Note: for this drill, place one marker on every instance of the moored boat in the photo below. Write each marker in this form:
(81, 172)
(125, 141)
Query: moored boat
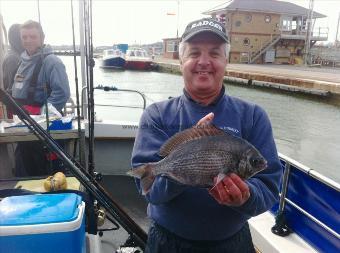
(138, 59)
(113, 58)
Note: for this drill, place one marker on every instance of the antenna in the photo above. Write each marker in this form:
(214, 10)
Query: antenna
(309, 32)
(337, 41)
(177, 18)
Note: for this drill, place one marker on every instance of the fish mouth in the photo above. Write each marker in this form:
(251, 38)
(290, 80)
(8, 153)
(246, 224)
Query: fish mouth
(263, 165)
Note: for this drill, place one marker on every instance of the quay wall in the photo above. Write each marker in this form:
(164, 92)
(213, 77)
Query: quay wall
(323, 89)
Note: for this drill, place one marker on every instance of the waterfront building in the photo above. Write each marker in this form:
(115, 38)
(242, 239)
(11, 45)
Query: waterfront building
(170, 48)
(267, 31)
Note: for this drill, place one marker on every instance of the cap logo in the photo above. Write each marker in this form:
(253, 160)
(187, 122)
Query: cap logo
(206, 23)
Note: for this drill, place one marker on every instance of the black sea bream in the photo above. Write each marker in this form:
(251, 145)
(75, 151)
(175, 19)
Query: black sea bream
(196, 155)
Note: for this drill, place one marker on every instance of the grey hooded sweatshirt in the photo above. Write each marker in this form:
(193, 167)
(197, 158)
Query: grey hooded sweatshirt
(52, 74)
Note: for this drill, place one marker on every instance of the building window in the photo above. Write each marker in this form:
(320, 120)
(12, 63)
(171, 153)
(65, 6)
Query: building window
(248, 18)
(246, 42)
(172, 46)
(286, 23)
(238, 23)
(267, 18)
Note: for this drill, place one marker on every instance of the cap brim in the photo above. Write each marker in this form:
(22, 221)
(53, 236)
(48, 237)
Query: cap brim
(188, 37)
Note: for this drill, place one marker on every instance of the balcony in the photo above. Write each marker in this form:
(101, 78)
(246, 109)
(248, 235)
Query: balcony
(299, 33)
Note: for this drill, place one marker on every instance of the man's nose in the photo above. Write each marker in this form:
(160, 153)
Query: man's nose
(204, 59)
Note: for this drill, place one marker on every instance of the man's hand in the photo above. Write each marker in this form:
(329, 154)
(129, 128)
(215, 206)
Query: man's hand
(230, 191)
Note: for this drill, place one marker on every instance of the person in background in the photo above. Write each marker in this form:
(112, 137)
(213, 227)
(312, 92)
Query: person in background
(191, 219)
(41, 78)
(12, 57)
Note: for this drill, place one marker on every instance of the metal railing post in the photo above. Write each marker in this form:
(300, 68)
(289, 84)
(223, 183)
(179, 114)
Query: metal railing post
(284, 188)
(280, 228)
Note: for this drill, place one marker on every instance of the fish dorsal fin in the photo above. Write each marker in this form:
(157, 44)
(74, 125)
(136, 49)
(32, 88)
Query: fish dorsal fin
(187, 135)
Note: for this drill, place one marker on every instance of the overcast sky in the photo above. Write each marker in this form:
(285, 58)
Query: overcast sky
(118, 21)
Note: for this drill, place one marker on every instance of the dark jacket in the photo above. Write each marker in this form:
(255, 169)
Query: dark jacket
(12, 57)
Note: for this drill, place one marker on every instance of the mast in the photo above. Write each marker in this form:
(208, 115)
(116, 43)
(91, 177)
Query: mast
(337, 41)
(82, 59)
(309, 33)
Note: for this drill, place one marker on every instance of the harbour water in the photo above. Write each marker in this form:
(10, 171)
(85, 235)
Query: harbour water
(306, 130)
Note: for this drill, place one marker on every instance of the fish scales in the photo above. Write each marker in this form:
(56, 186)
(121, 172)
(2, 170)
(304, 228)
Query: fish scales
(199, 161)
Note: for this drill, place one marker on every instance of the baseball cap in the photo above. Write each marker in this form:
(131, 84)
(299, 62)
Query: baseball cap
(205, 25)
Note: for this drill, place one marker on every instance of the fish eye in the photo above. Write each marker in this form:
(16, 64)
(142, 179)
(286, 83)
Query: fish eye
(255, 161)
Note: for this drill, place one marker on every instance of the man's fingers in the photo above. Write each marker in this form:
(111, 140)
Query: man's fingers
(232, 190)
(239, 182)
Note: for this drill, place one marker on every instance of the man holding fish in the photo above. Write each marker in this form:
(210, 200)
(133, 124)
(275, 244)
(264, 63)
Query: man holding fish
(205, 161)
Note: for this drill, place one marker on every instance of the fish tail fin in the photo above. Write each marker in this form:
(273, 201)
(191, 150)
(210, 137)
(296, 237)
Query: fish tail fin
(145, 174)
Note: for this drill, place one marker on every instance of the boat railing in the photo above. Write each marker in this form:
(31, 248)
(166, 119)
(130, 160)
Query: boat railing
(112, 88)
(311, 172)
(308, 205)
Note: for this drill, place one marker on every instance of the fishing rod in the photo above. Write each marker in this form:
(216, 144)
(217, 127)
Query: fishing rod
(76, 83)
(87, 10)
(137, 235)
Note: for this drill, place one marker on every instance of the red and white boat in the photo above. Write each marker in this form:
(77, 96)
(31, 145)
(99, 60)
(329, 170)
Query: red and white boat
(137, 59)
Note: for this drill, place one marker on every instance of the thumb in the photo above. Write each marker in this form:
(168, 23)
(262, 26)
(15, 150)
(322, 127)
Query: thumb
(206, 120)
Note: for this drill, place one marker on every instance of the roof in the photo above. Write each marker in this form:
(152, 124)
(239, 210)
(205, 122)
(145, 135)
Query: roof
(264, 6)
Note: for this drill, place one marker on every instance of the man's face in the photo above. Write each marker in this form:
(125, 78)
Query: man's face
(31, 40)
(203, 65)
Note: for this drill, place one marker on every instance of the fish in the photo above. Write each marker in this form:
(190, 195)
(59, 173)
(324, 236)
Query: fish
(197, 155)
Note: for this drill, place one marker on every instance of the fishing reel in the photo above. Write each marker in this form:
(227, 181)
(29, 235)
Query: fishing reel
(129, 247)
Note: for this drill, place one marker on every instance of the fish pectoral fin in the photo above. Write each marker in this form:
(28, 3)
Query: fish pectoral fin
(219, 178)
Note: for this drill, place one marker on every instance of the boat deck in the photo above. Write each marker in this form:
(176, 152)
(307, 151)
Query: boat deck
(123, 191)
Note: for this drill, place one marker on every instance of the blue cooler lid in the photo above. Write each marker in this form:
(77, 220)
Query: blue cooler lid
(39, 209)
